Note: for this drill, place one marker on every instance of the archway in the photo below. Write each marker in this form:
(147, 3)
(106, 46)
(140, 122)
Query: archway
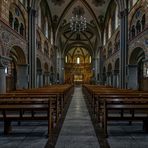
(16, 72)
(78, 66)
(135, 69)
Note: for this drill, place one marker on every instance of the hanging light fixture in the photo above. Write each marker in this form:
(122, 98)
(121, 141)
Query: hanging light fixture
(78, 21)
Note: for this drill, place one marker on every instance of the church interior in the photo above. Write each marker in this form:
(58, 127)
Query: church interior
(73, 73)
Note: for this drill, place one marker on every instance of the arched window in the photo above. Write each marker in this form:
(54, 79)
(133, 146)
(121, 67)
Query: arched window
(143, 21)
(39, 16)
(116, 17)
(10, 19)
(90, 59)
(22, 29)
(137, 23)
(66, 59)
(138, 26)
(104, 41)
(109, 28)
(46, 28)
(16, 24)
(16, 19)
(78, 60)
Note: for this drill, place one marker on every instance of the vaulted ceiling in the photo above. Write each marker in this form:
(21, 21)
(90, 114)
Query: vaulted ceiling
(93, 10)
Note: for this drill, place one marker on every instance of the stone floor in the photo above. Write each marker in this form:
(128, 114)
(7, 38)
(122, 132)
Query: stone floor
(77, 131)
(27, 135)
(123, 135)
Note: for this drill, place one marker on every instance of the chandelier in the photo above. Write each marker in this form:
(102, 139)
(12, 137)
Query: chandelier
(78, 23)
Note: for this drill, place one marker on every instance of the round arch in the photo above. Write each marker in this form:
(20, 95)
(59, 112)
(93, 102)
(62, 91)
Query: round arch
(136, 56)
(136, 69)
(16, 77)
(18, 54)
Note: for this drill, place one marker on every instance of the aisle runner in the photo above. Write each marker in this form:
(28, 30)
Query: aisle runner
(77, 130)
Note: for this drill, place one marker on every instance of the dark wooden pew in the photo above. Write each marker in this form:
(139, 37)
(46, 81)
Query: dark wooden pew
(118, 101)
(128, 104)
(58, 95)
(11, 109)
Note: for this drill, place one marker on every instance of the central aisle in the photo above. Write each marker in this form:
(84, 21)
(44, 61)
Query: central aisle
(77, 130)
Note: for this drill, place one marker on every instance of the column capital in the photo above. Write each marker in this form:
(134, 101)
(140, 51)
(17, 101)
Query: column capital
(4, 61)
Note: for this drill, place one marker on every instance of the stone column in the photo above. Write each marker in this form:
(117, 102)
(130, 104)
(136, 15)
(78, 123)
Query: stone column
(116, 78)
(61, 74)
(93, 71)
(39, 78)
(22, 76)
(3, 64)
(46, 78)
(123, 48)
(2, 80)
(133, 77)
(109, 78)
(97, 67)
(32, 47)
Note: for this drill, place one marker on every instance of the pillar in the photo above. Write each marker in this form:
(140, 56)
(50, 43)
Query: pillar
(39, 78)
(2, 80)
(133, 77)
(22, 76)
(116, 78)
(46, 78)
(97, 67)
(32, 47)
(123, 47)
(61, 72)
(3, 64)
(109, 78)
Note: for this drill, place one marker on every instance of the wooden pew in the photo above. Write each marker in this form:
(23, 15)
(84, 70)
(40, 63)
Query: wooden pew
(97, 96)
(59, 94)
(9, 106)
(131, 104)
